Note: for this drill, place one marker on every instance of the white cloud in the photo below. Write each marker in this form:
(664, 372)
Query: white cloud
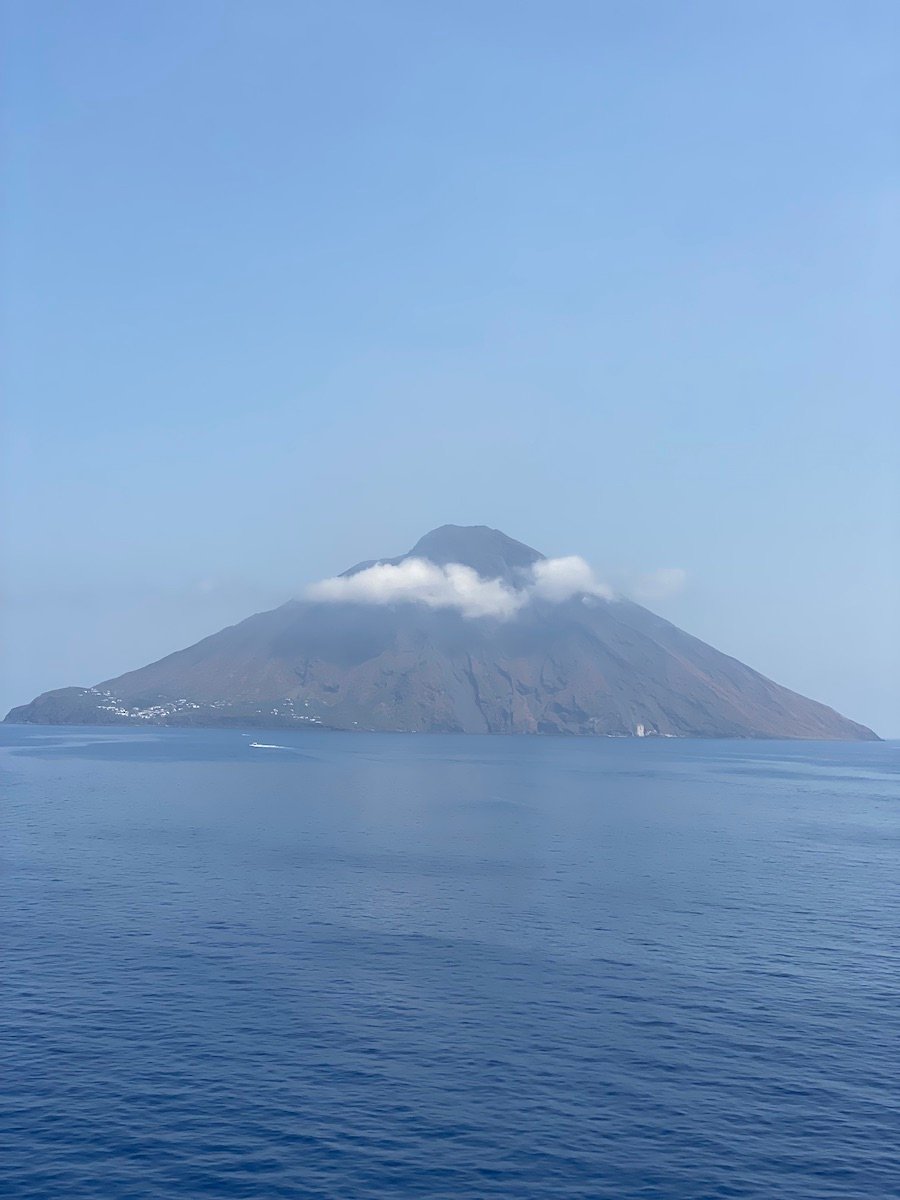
(664, 581)
(456, 586)
(423, 582)
(559, 579)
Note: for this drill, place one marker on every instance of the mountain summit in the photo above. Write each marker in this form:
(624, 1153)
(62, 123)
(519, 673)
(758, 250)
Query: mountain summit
(487, 551)
(469, 632)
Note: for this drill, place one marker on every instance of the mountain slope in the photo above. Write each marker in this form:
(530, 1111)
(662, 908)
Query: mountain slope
(579, 666)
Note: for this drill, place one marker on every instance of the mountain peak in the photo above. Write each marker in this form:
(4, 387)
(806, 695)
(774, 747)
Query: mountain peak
(488, 551)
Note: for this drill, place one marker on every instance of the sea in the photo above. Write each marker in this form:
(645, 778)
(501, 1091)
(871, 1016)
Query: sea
(240, 963)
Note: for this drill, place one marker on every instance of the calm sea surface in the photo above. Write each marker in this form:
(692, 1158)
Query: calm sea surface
(361, 966)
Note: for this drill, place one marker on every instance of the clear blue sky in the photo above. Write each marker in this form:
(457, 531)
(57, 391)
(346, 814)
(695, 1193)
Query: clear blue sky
(288, 284)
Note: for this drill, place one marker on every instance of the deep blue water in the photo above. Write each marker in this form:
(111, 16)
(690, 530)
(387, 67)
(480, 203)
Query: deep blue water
(395, 966)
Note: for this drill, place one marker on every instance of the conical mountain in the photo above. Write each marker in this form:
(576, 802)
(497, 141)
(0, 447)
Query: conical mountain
(576, 664)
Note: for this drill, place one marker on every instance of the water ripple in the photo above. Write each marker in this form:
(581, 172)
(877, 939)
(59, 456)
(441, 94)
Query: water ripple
(459, 968)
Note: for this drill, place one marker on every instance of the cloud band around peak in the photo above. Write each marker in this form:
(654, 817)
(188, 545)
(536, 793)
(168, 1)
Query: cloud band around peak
(456, 586)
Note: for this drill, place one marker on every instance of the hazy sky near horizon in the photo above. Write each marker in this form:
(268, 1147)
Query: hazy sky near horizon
(286, 285)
